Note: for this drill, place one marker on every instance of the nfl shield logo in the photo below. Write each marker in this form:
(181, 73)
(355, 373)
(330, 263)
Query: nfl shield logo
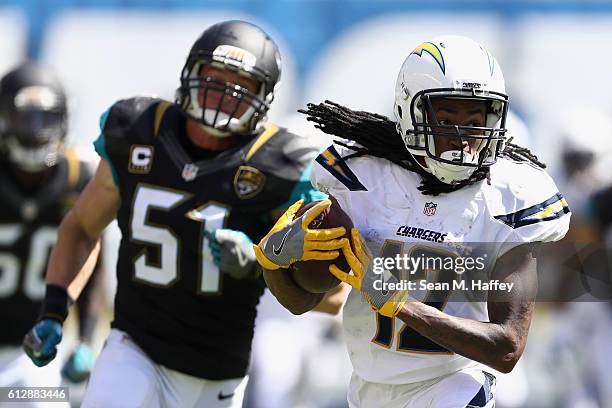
(430, 208)
(190, 171)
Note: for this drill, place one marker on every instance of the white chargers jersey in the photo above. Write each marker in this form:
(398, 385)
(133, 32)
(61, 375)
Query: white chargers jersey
(522, 204)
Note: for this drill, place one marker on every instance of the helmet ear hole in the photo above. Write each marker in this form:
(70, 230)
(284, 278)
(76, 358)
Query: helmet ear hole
(399, 112)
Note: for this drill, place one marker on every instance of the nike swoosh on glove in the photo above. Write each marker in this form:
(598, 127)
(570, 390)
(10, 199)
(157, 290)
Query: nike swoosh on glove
(291, 239)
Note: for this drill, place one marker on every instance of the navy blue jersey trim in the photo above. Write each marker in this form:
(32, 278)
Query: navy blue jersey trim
(550, 209)
(331, 161)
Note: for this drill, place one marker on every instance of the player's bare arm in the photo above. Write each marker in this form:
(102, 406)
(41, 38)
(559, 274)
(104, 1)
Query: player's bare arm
(500, 342)
(72, 262)
(333, 300)
(74, 256)
(298, 301)
(289, 294)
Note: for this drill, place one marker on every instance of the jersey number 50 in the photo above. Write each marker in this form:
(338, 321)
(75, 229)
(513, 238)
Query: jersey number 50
(41, 242)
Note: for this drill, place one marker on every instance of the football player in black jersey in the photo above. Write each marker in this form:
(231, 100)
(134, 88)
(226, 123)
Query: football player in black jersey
(192, 184)
(39, 182)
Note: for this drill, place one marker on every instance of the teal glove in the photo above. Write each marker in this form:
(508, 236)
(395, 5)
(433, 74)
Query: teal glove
(233, 253)
(79, 365)
(40, 344)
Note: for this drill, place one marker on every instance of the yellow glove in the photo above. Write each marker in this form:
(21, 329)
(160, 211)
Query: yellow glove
(291, 240)
(359, 258)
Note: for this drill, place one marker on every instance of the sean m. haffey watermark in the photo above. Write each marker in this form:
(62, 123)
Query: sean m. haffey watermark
(448, 264)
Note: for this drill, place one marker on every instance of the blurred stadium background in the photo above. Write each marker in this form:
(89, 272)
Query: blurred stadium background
(556, 59)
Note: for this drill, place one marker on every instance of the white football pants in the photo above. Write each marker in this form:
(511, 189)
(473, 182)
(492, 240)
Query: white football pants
(125, 377)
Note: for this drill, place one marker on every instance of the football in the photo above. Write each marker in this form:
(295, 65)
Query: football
(314, 276)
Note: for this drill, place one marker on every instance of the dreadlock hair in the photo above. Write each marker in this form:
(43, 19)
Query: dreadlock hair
(377, 136)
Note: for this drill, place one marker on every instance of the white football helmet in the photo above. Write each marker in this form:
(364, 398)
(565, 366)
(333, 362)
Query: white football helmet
(457, 68)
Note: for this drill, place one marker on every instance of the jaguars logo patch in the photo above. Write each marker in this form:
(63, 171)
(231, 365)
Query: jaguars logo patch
(248, 182)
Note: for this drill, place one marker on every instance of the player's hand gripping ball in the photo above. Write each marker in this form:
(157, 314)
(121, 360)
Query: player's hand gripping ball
(292, 240)
(314, 276)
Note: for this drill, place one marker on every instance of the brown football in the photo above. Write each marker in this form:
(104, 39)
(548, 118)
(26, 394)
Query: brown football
(314, 276)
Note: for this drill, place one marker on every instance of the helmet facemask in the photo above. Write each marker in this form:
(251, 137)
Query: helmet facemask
(220, 103)
(448, 159)
(33, 129)
(224, 108)
(33, 159)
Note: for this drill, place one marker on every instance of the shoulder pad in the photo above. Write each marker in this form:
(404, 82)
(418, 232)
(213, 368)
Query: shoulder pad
(135, 118)
(527, 199)
(331, 172)
(298, 149)
(132, 121)
(129, 122)
(278, 151)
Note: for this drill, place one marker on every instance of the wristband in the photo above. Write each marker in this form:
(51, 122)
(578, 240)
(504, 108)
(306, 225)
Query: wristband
(56, 303)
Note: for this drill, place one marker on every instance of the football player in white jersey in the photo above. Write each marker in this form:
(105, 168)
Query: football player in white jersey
(458, 183)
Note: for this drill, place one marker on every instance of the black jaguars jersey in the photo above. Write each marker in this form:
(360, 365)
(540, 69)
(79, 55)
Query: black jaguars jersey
(28, 231)
(171, 298)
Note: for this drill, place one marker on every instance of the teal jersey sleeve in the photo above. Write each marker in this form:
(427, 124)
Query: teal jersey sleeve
(304, 190)
(100, 146)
